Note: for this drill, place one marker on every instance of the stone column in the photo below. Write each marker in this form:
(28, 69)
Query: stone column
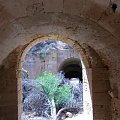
(10, 88)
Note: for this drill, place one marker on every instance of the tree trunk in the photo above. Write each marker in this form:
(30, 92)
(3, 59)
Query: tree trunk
(53, 109)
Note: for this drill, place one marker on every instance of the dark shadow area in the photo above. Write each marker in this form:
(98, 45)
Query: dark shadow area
(73, 71)
(72, 68)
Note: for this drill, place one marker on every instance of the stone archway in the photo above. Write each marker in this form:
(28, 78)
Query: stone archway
(69, 41)
(72, 68)
(99, 81)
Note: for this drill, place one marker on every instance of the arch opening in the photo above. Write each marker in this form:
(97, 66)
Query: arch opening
(72, 68)
(68, 69)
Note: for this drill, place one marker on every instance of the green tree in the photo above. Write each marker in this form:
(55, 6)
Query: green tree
(56, 94)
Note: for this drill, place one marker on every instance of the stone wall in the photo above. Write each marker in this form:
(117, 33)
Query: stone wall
(50, 63)
(92, 22)
(10, 88)
(100, 88)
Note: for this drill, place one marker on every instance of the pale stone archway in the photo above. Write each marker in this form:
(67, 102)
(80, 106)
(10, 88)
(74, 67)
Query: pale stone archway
(69, 41)
(72, 68)
(88, 66)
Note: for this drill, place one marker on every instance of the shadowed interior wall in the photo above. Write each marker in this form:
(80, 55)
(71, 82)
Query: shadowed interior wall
(10, 87)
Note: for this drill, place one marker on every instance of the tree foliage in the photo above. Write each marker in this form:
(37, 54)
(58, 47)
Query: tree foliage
(53, 89)
(63, 94)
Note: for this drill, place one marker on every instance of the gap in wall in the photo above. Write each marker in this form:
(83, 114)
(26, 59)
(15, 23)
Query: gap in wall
(53, 59)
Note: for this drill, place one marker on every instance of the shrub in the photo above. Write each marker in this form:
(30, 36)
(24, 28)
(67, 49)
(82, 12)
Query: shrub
(37, 103)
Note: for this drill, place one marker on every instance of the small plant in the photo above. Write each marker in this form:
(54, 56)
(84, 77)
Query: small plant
(57, 94)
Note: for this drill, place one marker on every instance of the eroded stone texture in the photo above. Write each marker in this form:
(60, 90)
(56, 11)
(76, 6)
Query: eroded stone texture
(100, 87)
(99, 11)
(9, 87)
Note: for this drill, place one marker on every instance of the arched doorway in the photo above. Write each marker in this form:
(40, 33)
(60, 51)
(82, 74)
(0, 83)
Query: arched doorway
(72, 68)
(68, 69)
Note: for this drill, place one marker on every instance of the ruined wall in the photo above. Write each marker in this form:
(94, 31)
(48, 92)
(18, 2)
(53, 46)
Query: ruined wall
(51, 62)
